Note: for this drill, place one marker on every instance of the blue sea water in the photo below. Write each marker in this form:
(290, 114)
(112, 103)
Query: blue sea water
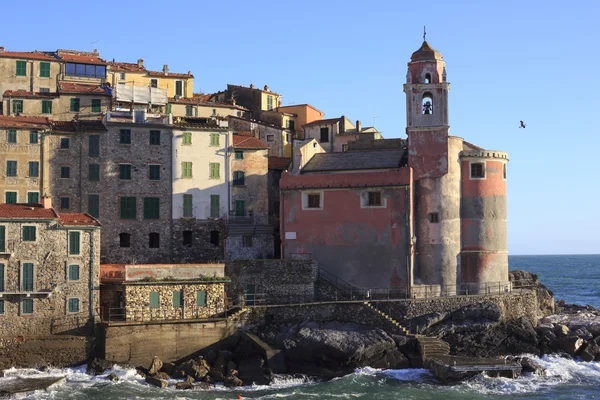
(575, 278)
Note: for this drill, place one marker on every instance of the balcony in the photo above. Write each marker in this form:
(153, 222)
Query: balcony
(41, 293)
(141, 94)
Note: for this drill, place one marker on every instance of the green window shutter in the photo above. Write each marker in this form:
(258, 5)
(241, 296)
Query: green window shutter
(27, 277)
(74, 105)
(2, 239)
(215, 207)
(94, 146)
(94, 172)
(17, 106)
(177, 298)
(12, 136)
(2, 276)
(189, 111)
(73, 305)
(46, 106)
(27, 306)
(74, 243)
(154, 300)
(125, 136)
(155, 138)
(96, 105)
(201, 298)
(74, 272)
(128, 208)
(1, 306)
(215, 170)
(29, 233)
(11, 197)
(151, 208)
(188, 206)
(169, 108)
(125, 171)
(214, 139)
(11, 168)
(186, 168)
(33, 197)
(187, 138)
(34, 169)
(44, 70)
(94, 205)
(21, 68)
(154, 172)
(33, 137)
(239, 155)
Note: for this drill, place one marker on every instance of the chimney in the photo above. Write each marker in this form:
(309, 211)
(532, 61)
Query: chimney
(266, 88)
(358, 126)
(251, 86)
(46, 202)
(1, 49)
(342, 124)
(166, 69)
(141, 62)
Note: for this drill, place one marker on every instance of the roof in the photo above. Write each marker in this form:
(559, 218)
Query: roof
(126, 67)
(279, 163)
(77, 219)
(253, 88)
(471, 146)
(248, 142)
(26, 211)
(77, 88)
(24, 94)
(81, 57)
(8, 121)
(426, 53)
(302, 105)
(244, 133)
(192, 122)
(346, 161)
(200, 101)
(170, 74)
(78, 126)
(32, 55)
(324, 121)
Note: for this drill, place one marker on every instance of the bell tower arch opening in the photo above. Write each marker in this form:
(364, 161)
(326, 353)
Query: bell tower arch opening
(427, 103)
(428, 78)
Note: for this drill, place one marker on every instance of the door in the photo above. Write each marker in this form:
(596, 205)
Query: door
(240, 208)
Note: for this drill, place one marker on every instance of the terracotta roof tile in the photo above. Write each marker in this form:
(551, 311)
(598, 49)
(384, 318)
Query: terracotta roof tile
(191, 122)
(173, 74)
(244, 133)
(248, 142)
(31, 55)
(24, 94)
(279, 163)
(68, 87)
(80, 57)
(26, 211)
(77, 219)
(7, 121)
(126, 67)
(324, 121)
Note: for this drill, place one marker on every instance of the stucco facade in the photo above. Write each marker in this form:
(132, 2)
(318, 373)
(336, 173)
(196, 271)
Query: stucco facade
(304, 114)
(277, 138)
(30, 78)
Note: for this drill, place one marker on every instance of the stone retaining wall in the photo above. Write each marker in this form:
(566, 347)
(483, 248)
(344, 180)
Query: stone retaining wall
(38, 351)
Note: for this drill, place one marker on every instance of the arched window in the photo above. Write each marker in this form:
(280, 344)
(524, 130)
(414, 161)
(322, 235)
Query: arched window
(154, 240)
(428, 78)
(125, 239)
(427, 103)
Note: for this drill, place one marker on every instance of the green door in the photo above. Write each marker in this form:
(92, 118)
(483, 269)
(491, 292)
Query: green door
(240, 208)
(249, 295)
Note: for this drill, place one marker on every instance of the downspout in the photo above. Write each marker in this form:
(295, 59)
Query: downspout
(172, 223)
(30, 79)
(281, 221)
(92, 305)
(227, 169)
(78, 133)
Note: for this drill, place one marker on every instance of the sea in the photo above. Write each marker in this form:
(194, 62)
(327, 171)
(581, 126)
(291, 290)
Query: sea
(574, 278)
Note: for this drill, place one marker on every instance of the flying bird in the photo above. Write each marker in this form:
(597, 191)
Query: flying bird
(522, 125)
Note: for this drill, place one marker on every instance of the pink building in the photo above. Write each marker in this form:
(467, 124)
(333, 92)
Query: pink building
(426, 214)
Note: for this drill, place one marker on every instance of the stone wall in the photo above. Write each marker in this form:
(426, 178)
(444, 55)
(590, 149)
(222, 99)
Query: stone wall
(137, 300)
(39, 351)
(275, 281)
(201, 249)
(254, 190)
(262, 247)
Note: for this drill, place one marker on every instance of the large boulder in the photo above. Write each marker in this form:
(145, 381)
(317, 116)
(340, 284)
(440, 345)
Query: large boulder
(197, 370)
(156, 382)
(97, 366)
(545, 297)
(571, 344)
(155, 366)
(254, 371)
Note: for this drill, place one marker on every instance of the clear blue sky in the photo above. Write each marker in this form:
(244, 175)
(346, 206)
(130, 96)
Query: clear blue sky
(506, 60)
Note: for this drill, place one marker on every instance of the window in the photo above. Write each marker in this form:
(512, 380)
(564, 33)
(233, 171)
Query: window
(201, 298)
(214, 139)
(187, 206)
(240, 208)
(151, 208)
(94, 172)
(324, 135)
(17, 106)
(125, 136)
(21, 68)
(92, 71)
(177, 298)
(64, 143)
(270, 138)
(189, 111)
(215, 207)
(122, 76)
(187, 238)
(2, 276)
(214, 238)
(345, 147)
(94, 205)
(33, 137)
(290, 124)
(27, 277)
(427, 103)
(1, 306)
(2, 250)
(12, 136)
(238, 178)
(247, 240)
(154, 240)
(27, 306)
(477, 170)
(374, 199)
(433, 217)
(33, 197)
(34, 169)
(94, 146)
(73, 305)
(154, 300)
(64, 203)
(154, 172)
(74, 105)
(125, 171)
(29, 234)
(44, 90)
(154, 83)
(169, 108)
(239, 155)
(11, 197)
(96, 105)
(239, 113)
(214, 170)
(124, 239)
(314, 201)
(74, 243)
(269, 103)
(73, 272)
(428, 78)
(11, 168)
(186, 169)
(65, 172)
(155, 138)
(46, 106)
(128, 208)
(214, 112)
(187, 138)
(178, 88)
(504, 171)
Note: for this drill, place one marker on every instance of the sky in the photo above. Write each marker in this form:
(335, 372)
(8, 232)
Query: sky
(507, 61)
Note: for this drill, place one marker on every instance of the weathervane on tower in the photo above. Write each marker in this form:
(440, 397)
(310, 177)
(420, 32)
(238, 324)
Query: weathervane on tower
(424, 32)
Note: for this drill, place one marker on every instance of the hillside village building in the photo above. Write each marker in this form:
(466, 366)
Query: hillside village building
(428, 216)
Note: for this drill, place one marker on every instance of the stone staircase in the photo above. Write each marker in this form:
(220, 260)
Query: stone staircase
(431, 347)
(391, 320)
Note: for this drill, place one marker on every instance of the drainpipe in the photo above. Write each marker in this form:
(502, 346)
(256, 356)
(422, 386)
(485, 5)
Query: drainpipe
(281, 222)
(227, 168)
(92, 305)
(30, 78)
(80, 165)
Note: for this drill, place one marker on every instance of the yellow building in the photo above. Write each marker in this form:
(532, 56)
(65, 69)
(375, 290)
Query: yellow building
(31, 71)
(199, 107)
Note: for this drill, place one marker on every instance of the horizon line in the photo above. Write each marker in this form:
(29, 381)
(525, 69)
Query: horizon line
(557, 254)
